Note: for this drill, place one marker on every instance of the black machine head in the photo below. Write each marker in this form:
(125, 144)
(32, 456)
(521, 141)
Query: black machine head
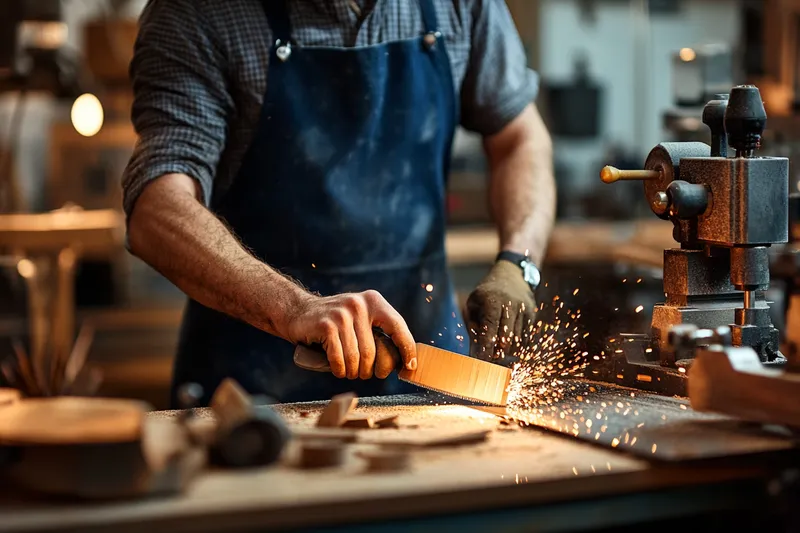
(714, 118)
(745, 119)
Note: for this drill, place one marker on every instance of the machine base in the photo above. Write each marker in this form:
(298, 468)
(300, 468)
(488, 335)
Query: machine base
(631, 361)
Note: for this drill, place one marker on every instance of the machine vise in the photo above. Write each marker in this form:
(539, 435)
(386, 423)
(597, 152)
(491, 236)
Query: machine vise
(727, 209)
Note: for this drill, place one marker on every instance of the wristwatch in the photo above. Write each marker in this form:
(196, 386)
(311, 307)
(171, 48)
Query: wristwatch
(530, 273)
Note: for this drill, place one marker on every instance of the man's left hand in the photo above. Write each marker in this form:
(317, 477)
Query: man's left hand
(500, 312)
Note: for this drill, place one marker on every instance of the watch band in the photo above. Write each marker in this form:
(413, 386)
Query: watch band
(514, 257)
(530, 272)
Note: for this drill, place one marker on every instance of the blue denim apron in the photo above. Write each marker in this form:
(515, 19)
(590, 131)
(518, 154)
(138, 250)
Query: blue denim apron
(343, 188)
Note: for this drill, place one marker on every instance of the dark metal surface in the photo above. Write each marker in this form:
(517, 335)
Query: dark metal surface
(750, 198)
(653, 426)
(726, 212)
(666, 158)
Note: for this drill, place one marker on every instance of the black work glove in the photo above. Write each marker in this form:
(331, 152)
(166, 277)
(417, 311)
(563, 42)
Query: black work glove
(500, 313)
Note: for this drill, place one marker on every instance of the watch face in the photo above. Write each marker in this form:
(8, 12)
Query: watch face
(531, 274)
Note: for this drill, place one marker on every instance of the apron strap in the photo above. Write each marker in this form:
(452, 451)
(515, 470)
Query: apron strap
(278, 18)
(428, 16)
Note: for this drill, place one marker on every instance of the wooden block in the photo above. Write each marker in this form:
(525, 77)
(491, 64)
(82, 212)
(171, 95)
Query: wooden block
(68, 420)
(737, 384)
(459, 375)
(231, 405)
(337, 410)
(337, 434)
(321, 454)
(359, 422)
(388, 422)
(386, 460)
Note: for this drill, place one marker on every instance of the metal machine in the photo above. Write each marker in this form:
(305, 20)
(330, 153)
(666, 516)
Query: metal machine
(727, 210)
(731, 380)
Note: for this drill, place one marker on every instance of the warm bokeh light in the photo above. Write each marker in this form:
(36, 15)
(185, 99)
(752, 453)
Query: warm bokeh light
(87, 115)
(26, 268)
(687, 54)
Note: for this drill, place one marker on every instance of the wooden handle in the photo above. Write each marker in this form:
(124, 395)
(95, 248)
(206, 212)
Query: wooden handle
(611, 174)
(315, 359)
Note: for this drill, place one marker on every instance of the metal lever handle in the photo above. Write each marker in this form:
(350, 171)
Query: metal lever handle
(612, 174)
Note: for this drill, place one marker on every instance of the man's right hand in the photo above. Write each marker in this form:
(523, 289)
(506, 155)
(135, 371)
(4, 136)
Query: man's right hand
(343, 325)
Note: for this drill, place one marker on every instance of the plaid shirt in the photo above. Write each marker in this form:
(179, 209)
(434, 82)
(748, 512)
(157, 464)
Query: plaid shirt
(200, 74)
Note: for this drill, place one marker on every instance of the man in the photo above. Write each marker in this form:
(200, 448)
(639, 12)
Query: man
(290, 178)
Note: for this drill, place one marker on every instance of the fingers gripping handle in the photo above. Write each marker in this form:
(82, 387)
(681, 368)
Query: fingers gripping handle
(314, 358)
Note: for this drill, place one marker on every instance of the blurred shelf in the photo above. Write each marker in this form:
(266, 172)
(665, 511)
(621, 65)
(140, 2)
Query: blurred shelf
(636, 242)
(54, 230)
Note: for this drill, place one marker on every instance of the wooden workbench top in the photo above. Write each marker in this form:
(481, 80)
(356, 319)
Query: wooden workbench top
(515, 466)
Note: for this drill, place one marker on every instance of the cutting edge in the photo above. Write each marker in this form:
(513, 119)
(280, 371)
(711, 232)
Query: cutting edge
(453, 395)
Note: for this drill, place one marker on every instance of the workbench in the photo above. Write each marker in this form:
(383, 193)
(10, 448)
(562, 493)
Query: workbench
(519, 479)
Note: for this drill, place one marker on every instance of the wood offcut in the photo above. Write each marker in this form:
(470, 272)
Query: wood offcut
(96, 448)
(735, 382)
(335, 413)
(386, 460)
(321, 454)
(359, 422)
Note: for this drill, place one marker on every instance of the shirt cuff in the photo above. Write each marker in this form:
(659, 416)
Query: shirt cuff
(493, 121)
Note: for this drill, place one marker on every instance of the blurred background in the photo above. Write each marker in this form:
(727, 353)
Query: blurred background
(617, 78)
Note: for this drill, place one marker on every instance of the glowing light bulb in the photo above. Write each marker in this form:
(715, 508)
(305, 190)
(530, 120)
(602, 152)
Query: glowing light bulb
(687, 54)
(87, 115)
(26, 268)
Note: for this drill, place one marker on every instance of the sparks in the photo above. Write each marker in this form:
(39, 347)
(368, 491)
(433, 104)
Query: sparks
(429, 287)
(640, 309)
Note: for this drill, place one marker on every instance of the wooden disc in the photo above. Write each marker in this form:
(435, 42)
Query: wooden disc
(386, 460)
(70, 420)
(321, 454)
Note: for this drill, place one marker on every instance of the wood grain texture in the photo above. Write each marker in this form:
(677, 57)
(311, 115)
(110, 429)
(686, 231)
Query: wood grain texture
(509, 469)
(459, 375)
(161, 463)
(69, 420)
(737, 384)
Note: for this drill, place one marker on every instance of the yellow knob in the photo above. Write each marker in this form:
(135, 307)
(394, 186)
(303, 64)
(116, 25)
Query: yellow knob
(612, 174)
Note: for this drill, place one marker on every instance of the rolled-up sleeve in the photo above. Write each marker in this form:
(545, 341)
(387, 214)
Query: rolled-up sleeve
(498, 84)
(181, 102)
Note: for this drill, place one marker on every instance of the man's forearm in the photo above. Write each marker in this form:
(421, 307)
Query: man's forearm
(522, 188)
(171, 231)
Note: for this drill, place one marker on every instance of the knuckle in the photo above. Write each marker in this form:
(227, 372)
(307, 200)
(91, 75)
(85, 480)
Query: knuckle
(356, 304)
(372, 297)
(339, 317)
(328, 328)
